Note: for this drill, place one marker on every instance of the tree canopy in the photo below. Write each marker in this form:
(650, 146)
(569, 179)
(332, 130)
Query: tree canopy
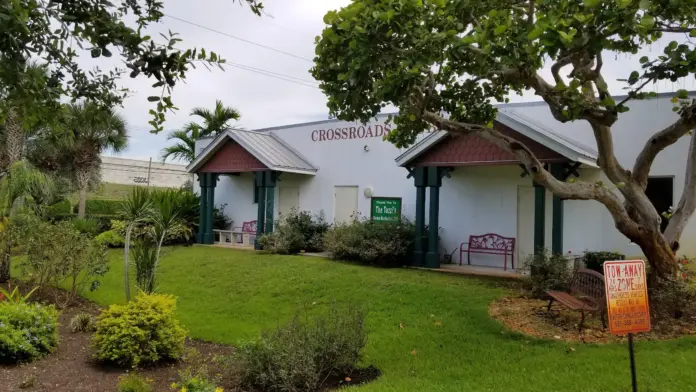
(54, 31)
(445, 64)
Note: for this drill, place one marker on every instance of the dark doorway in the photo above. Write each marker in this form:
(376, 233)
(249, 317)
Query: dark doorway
(660, 191)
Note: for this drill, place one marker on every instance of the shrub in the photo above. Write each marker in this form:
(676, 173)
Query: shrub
(102, 207)
(132, 382)
(145, 258)
(110, 239)
(547, 272)
(142, 331)
(595, 260)
(284, 240)
(27, 331)
(63, 207)
(299, 356)
(674, 298)
(220, 220)
(86, 226)
(74, 260)
(381, 243)
(295, 232)
(82, 322)
(190, 381)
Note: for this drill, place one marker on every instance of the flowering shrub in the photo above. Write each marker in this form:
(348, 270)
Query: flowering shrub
(132, 382)
(27, 331)
(144, 330)
(674, 298)
(195, 382)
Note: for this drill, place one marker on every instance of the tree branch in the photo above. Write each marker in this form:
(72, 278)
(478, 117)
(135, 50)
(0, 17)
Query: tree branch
(530, 13)
(632, 93)
(573, 191)
(687, 203)
(661, 140)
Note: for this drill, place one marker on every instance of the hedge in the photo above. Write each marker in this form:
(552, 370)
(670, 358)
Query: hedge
(101, 207)
(62, 207)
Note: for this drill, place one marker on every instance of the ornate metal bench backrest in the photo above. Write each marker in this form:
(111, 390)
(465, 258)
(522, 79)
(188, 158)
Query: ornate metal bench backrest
(249, 227)
(588, 283)
(493, 242)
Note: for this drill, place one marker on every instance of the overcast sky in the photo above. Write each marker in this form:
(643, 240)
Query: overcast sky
(263, 101)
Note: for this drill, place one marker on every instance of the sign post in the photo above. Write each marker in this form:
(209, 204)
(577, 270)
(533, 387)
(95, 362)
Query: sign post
(386, 209)
(627, 303)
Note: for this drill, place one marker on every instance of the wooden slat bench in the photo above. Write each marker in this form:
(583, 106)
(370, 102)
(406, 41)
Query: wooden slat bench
(245, 235)
(586, 295)
(489, 244)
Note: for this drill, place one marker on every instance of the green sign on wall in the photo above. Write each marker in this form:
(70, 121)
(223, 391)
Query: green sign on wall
(386, 209)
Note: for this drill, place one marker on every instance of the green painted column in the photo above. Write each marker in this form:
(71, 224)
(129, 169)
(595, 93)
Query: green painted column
(557, 213)
(419, 247)
(539, 217)
(434, 181)
(270, 183)
(261, 206)
(202, 180)
(209, 237)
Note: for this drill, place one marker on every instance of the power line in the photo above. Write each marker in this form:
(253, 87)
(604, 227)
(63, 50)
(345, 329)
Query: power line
(238, 38)
(271, 72)
(270, 75)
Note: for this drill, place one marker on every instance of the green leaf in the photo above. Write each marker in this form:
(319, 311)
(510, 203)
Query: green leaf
(153, 98)
(647, 21)
(500, 30)
(95, 52)
(623, 3)
(412, 117)
(692, 33)
(106, 52)
(644, 59)
(644, 4)
(682, 94)
(536, 33)
(591, 3)
(675, 109)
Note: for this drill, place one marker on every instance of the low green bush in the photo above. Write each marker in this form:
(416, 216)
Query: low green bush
(195, 381)
(595, 260)
(143, 331)
(87, 226)
(547, 272)
(27, 331)
(63, 207)
(387, 244)
(674, 298)
(111, 239)
(101, 207)
(299, 356)
(295, 232)
(132, 382)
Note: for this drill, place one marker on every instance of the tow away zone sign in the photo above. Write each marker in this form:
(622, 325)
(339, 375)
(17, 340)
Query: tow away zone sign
(627, 296)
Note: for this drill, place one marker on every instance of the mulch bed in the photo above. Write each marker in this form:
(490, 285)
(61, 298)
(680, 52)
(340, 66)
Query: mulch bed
(529, 316)
(71, 367)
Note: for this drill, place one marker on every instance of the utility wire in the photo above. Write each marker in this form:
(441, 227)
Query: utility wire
(270, 75)
(238, 38)
(271, 72)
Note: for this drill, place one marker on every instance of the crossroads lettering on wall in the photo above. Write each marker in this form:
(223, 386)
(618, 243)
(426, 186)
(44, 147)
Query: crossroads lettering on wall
(361, 132)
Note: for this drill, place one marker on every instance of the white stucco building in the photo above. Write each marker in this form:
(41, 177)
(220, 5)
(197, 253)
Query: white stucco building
(115, 170)
(340, 168)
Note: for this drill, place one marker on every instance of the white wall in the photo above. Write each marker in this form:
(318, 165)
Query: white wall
(115, 170)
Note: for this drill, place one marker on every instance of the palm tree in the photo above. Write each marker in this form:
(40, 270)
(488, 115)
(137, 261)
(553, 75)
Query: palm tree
(92, 131)
(136, 209)
(214, 122)
(185, 148)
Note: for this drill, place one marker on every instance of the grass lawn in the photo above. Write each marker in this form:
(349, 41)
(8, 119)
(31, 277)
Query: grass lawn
(227, 296)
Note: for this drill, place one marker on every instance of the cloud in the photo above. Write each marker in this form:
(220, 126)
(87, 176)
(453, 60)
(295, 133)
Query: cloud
(265, 101)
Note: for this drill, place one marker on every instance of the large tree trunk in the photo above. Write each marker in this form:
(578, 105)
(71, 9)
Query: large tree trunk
(82, 176)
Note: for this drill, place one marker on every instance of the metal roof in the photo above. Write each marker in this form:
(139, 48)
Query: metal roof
(570, 149)
(268, 148)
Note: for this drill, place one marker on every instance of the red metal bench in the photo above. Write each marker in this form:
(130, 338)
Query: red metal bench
(489, 244)
(587, 294)
(248, 228)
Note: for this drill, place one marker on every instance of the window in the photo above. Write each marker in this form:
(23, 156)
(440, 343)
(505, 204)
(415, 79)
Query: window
(660, 191)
